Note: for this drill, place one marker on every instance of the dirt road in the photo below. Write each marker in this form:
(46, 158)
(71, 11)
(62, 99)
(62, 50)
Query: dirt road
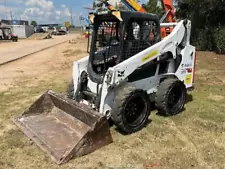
(41, 64)
(12, 51)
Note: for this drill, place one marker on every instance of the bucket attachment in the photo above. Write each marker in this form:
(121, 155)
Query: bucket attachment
(63, 128)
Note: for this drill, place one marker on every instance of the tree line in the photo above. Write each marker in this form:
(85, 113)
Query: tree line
(208, 23)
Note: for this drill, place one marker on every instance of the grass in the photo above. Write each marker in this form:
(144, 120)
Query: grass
(193, 139)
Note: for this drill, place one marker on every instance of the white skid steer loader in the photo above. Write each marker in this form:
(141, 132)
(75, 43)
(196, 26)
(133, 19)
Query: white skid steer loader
(129, 67)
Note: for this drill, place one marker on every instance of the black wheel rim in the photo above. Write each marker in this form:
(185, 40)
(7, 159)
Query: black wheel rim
(135, 111)
(175, 99)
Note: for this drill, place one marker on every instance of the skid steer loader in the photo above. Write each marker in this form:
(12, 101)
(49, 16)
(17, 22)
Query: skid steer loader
(129, 68)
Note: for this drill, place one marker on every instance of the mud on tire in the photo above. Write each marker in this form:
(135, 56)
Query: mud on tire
(131, 109)
(171, 97)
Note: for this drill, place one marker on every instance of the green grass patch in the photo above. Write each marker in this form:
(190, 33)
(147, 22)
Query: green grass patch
(193, 139)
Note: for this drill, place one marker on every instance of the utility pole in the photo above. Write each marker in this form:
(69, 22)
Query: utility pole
(20, 20)
(5, 10)
(71, 16)
(11, 15)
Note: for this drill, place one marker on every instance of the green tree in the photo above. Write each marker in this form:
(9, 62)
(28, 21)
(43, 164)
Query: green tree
(152, 7)
(99, 6)
(121, 7)
(34, 23)
(207, 22)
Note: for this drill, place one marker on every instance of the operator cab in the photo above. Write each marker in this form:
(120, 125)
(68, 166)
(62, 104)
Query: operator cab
(117, 36)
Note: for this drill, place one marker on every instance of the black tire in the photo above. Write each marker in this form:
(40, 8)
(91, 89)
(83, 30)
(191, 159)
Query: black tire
(14, 39)
(170, 97)
(129, 120)
(70, 90)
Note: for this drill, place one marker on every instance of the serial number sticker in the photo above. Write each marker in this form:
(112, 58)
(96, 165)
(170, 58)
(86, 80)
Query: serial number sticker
(150, 55)
(188, 79)
(183, 71)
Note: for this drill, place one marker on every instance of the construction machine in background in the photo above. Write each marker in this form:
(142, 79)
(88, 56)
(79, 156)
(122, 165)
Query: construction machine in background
(129, 68)
(133, 5)
(6, 34)
(169, 16)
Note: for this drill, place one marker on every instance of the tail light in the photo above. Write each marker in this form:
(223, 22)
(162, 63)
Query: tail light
(189, 70)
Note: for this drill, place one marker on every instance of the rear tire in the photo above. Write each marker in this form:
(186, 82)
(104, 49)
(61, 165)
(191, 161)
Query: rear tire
(171, 97)
(132, 109)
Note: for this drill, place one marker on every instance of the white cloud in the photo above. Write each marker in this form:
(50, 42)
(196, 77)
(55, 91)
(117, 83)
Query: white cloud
(42, 11)
(43, 4)
(58, 13)
(67, 12)
(33, 12)
(2, 9)
(14, 1)
(63, 6)
(5, 12)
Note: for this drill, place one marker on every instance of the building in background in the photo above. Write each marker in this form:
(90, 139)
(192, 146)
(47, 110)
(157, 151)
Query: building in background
(14, 22)
(19, 27)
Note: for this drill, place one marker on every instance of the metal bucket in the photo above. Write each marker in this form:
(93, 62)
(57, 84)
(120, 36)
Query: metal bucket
(63, 128)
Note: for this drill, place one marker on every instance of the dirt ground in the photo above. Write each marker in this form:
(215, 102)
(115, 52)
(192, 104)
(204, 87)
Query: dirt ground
(12, 51)
(41, 65)
(193, 139)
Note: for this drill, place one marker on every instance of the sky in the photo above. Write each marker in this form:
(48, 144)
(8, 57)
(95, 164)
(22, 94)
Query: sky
(45, 11)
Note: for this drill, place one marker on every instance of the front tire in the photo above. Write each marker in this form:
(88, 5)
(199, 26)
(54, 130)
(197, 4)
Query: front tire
(132, 109)
(171, 97)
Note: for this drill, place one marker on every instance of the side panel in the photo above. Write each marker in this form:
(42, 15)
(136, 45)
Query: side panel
(19, 30)
(185, 71)
(107, 98)
(168, 44)
(78, 67)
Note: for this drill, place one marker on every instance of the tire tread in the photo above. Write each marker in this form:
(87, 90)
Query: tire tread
(120, 101)
(161, 95)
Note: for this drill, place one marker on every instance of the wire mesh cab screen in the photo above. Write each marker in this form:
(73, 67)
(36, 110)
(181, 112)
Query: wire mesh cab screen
(106, 46)
(139, 35)
(111, 45)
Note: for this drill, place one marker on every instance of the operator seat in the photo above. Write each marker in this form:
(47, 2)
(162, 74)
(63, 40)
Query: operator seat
(128, 43)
